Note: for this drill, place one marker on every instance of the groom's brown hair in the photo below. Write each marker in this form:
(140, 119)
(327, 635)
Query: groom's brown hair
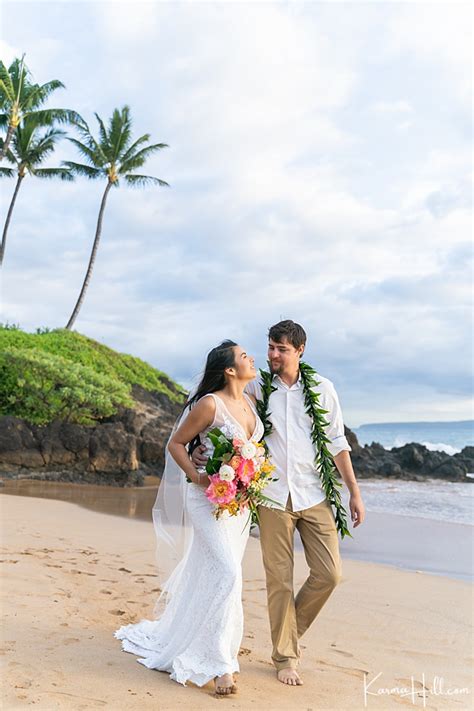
(293, 332)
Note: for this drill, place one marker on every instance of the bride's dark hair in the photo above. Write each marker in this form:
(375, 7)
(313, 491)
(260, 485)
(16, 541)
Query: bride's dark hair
(220, 358)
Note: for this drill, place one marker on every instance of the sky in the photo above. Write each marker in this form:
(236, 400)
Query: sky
(320, 169)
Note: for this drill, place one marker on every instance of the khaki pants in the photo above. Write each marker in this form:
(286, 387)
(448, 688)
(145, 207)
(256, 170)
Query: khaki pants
(291, 616)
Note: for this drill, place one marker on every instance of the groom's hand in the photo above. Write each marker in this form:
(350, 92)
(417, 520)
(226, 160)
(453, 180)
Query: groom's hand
(357, 508)
(198, 458)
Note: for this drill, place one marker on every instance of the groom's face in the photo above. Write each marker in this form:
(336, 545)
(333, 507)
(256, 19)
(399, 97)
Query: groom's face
(283, 357)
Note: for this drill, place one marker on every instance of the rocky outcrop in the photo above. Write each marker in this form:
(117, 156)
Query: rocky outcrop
(412, 461)
(119, 451)
(124, 448)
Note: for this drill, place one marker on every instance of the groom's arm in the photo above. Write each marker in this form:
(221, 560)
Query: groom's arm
(343, 463)
(340, 448)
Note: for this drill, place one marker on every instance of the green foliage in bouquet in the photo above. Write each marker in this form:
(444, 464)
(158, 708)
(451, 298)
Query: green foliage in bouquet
(223, 450)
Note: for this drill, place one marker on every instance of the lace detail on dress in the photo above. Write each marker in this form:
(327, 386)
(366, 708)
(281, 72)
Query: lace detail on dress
(198, 636)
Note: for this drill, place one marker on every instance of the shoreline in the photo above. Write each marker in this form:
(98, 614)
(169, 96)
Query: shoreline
(405, 542)
(73, 576)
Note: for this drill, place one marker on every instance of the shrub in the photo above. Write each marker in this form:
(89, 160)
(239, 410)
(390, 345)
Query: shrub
(41, 387)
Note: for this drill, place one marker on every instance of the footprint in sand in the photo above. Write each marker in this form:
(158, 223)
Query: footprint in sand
(350, 671)
(70, 640)
(106, 592)
(244, 652)
(145, 575)
(344, 654)
(119, 613)
(7, 646)
(124, 570)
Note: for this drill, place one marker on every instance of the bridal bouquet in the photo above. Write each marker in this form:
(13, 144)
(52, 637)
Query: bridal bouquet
(238, 473)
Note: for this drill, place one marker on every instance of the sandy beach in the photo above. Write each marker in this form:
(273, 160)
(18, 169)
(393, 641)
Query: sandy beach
(72, 576)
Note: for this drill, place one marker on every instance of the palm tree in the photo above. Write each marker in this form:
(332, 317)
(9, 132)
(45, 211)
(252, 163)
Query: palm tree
(20, 99)
(32, 143)
(112, 157)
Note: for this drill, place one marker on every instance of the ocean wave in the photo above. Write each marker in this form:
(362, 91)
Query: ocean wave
(432, 446)
(441, 447)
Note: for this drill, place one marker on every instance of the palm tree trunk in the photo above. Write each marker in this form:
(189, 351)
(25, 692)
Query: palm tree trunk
(7, 221)
(6, 143)
(92, 258)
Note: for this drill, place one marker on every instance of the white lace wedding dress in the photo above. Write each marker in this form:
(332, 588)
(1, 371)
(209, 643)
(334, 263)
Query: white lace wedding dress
(199, 634)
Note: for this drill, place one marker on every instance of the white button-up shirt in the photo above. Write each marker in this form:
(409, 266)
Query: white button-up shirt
(289, 444)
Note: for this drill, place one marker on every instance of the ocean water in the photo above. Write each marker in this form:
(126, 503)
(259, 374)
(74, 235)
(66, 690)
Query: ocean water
(432, 499)
(449, 437)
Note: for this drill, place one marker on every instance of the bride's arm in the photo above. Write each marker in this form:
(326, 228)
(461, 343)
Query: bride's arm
(201, 416)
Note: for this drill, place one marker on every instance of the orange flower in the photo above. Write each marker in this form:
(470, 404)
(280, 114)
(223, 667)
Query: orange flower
(235, 462)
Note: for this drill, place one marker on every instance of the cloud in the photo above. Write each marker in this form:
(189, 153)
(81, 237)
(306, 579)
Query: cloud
(310, 179)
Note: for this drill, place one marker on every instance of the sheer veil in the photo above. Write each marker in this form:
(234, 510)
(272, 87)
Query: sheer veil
(173, 527)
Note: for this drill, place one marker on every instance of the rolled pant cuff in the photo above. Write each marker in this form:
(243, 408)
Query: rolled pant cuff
(286, 664)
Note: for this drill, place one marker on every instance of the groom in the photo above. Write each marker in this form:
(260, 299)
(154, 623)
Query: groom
(306, 507)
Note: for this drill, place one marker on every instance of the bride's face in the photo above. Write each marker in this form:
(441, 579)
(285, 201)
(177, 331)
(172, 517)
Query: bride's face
(244, 367)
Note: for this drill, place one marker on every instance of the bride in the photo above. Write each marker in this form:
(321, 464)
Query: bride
(198, 634)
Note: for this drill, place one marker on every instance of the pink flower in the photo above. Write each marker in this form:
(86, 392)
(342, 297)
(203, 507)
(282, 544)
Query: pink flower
(219, 491)
(237, 443)
(246, 471)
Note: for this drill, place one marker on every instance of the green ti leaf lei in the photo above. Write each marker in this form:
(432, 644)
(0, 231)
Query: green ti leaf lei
(324, 461)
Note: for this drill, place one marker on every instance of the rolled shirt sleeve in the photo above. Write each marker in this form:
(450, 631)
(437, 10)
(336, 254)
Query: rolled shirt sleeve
(335, 428)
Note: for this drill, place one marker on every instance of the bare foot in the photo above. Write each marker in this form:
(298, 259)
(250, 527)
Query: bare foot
(225, 684)
(289, 676)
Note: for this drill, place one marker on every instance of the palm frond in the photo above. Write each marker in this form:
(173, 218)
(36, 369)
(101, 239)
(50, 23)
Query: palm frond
(137, 160)
(6, 85)
(48, 173)
(39, 94)
(6, 173)
(120, 129)
(33, 146)
(104, 139)
(92, 155)
(128, 153)
(49, 116)
(85, 171)
(20, 74)
(90, 142)
(4, 120)
(141, 181)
